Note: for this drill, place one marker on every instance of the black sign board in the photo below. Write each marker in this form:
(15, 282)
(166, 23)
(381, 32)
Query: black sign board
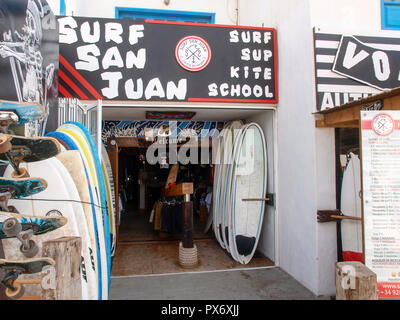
(166, 61)
(370, 65)
(349, 68)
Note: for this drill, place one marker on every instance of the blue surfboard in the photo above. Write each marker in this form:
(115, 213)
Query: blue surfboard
(86, 152)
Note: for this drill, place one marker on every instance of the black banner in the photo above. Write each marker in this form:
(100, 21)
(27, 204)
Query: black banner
(166, 61)
(375, 67)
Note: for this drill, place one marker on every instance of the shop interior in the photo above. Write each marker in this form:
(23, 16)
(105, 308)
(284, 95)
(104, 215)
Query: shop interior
(140, 187)
(148, 240)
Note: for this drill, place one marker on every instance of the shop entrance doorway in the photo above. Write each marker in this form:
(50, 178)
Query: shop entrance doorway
(159, 255)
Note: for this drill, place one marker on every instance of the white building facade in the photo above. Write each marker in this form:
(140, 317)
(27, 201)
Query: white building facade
(304, 156)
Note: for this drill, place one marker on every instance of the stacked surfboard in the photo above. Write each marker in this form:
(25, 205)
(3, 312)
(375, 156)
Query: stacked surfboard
(240, 181)
(80, 188)
(94, 178)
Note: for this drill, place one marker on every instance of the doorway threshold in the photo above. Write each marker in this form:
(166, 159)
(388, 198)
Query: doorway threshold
(192, 272)
(158, 258)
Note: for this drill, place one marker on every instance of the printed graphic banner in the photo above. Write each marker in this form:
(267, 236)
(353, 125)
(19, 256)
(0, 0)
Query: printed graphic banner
(29, 57)
(166, 61)
(179, 128)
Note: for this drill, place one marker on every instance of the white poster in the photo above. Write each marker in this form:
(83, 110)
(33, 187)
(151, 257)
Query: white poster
(380, 143)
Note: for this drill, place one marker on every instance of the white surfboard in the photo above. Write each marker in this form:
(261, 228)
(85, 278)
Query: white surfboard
(73, 162)
(224, 149)
(248, 181)
(228, 197)
(229, 150)
(58, 199)
(351, 206)
(217, 188)
(88, 271)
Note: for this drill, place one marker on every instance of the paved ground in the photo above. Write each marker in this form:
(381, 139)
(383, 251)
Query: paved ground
(251, 284)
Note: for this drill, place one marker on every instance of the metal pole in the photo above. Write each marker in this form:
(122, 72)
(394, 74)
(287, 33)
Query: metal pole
(187, 222)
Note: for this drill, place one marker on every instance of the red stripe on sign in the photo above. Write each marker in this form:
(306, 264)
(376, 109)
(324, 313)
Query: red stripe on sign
(366, 125)
(353, 256)
(72, 85)
(79, 77)
(64, 91)
(275, 68)
(230, 100)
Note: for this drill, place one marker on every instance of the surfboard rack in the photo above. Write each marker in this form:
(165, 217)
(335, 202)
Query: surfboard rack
(334, 215)
(61, 281)
(269, 199)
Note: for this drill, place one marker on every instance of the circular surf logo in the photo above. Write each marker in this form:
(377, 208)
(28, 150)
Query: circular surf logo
(193, 53)
(382, 124)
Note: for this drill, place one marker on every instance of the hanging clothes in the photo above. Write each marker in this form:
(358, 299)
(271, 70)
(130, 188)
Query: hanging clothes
(172, 217)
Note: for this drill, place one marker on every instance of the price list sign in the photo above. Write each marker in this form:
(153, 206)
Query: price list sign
(380, 143)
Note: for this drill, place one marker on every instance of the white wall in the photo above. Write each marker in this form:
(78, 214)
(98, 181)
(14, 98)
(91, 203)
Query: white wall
(296, 138)
(358, 17)
(225, 9)
(267, 243)
(347, 15)
(326, 199)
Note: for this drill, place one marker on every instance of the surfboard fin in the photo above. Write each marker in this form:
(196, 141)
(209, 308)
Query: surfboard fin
(245, 244)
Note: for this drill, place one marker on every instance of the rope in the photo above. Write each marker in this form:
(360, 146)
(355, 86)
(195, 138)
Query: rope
(65, 200)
